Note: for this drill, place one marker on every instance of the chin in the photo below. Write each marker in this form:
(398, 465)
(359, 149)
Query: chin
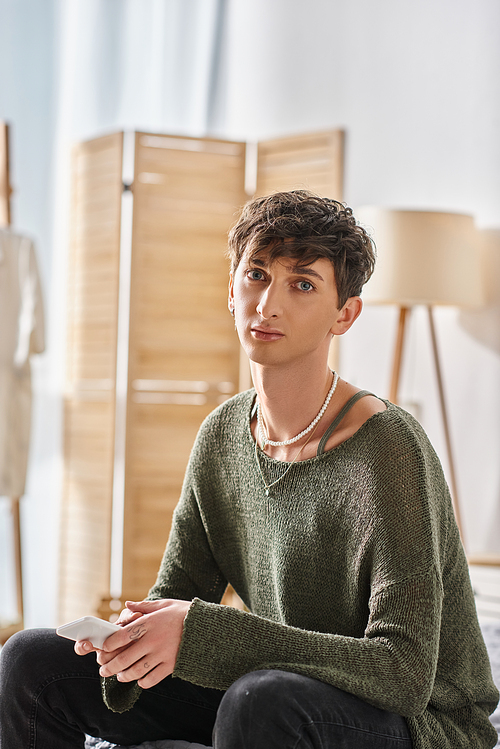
(259, 357)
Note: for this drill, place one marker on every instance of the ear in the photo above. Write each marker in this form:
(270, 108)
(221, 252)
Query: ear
(230, 298)
(347, 315)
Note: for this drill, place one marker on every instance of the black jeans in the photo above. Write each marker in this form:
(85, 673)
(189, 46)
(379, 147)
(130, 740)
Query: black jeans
(50, 697)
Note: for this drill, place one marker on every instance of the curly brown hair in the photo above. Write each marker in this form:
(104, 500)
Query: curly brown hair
(305, 227)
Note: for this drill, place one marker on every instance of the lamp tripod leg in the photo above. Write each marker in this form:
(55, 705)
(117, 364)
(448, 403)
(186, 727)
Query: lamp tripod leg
(15, 508)
(398, 354)
(451, 462)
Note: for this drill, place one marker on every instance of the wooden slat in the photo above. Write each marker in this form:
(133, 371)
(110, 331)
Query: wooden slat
(5, 188)
(313, 161)
(91, 369)
(186, 194)
(86, 506)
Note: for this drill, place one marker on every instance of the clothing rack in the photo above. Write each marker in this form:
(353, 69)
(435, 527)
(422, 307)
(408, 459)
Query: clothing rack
(8, 629)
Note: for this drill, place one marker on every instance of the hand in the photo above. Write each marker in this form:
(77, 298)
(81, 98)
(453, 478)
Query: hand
(147, 645)
(83, 647)
(127, 616)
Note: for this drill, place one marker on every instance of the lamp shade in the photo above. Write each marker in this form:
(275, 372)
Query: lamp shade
(489, 244)
(423, 257)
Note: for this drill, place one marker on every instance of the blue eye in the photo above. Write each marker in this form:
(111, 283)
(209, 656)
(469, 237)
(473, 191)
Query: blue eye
(305, 286)
(255, 275)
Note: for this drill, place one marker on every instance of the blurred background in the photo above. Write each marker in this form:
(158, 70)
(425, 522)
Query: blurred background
(414, 87)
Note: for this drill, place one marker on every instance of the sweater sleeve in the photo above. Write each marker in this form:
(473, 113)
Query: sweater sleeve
(188, 568)
(392, 666)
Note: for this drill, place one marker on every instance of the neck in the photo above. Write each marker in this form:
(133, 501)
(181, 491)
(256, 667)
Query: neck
(291, 398)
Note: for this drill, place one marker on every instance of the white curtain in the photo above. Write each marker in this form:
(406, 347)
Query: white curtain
(69, 71)
(135, 64)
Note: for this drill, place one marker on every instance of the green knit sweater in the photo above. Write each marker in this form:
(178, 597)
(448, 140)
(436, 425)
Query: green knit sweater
(352, 571)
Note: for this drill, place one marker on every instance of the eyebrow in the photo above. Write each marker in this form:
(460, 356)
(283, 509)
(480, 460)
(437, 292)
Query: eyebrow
(301, 270)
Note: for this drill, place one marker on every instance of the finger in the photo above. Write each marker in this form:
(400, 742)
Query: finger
(137, 629)
(124, 660)
(145, 607)
(103, 657)
(154, 676)
(127, 616)
(130, 632)
(84, 647)
(138, 669)
(132, 605)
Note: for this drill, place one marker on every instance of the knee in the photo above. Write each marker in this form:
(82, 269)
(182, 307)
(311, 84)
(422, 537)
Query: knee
(24, 651)
(17, 649)
(259, 693)
(259, 709)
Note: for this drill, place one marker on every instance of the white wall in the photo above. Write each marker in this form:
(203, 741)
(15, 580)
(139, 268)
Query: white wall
(415, 85)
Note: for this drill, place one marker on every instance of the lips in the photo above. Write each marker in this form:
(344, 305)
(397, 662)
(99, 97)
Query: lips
(266, 334)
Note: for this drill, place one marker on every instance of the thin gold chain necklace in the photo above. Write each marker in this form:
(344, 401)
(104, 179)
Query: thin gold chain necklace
(273, 483)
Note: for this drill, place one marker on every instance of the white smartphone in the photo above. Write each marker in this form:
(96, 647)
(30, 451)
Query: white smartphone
(88, 628)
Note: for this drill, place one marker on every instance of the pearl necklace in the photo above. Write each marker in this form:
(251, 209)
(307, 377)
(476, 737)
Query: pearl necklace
(260, 425)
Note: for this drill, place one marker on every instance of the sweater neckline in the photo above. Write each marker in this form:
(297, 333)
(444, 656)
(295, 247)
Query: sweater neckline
(334, 450)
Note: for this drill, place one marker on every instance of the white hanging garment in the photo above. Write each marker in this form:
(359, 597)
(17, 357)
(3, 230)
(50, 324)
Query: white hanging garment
(21, 334)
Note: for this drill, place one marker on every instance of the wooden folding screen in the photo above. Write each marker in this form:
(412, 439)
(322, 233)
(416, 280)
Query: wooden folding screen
(183, 356)
(184, 353)
(89, 430)
(312, 161)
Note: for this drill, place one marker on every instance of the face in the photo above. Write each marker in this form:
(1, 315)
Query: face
(284, 312)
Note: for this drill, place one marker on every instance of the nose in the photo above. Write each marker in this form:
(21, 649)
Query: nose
(270, 302)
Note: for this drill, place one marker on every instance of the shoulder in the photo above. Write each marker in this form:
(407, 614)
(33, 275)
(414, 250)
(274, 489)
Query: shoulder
(407, 497)
(362, 412)
(399, 431)
(394, 449)
(236, 408)
(391, 424)
(219, 444)
(363, 409)
(405, 469)
(228, 421)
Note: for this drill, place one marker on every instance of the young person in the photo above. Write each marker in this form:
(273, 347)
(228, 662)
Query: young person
(326, 509)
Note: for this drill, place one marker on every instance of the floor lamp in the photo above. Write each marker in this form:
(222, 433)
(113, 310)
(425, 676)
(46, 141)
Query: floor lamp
(428, 258)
